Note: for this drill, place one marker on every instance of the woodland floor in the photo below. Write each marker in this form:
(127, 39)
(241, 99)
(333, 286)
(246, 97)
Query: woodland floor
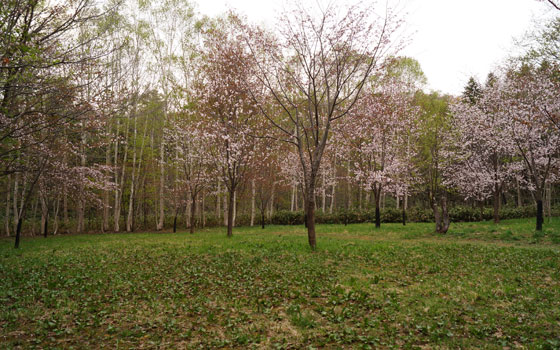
(480, 286)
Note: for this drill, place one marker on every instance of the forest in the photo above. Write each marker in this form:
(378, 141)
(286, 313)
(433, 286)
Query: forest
(147, 116)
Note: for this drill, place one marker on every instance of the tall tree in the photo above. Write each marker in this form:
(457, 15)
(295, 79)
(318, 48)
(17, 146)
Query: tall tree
(315, 73)
(224, 103)
(480, 153)
(433, 125)
(529, 100)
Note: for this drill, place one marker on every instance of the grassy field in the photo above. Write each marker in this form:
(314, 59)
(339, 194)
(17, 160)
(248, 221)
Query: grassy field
(480, 286)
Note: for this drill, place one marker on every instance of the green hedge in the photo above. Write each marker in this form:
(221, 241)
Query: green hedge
(392, 215)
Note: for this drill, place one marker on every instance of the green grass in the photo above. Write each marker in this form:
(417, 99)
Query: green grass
(480, 286)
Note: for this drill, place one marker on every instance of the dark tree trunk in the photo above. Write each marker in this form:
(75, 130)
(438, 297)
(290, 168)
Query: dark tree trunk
(46, 227)
(18, 232)
(175, 222)
(230, 213)
(496, 205)
(311, 222)
(193, 213)
(539, 214)
(377, 194)
(481, 207)
(403, 215)
(262, 217)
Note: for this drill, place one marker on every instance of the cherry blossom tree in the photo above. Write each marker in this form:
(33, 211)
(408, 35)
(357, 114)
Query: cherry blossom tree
(480, 153)
(375, 139)
(528, 102)
(225, 104)
(315, 72)
(193, 160)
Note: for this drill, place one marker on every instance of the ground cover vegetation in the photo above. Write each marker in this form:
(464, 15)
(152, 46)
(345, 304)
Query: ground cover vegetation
(482, 286)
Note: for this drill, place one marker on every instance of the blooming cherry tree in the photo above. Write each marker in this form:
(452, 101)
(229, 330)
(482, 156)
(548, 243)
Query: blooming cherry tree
(375, 139)
(528, 102)
(480, 153)
(226, 106)
(315, 72)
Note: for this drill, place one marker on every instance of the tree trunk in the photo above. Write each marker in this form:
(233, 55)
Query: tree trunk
(377, 195)
(437, 217)
(46, 225)
(271, 211)
(360, 196)
(549, 202)
(310, 216)
(481, 207)
(203, 212)
(253, 193)
(445, 215)
(332, 199)
(175, 219)
(496, 205)
(105, 224)
(8, 202)
(226, 210)
(519, 200)
(18, 232)
(193, 212)
(323, 195)
(81, 200)
(297, 198)
(56, 211)
(129, 217)
(292, 202)
(44, 214)
(403, 215)
(231, 204)
(15, 202)
(161, 187)
(539, 213)
(348, 188)
(442, 221)
(234, 208)
(262, 216)
(65, 208)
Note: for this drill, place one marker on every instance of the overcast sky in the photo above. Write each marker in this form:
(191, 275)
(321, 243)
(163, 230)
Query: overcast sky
(452, 39)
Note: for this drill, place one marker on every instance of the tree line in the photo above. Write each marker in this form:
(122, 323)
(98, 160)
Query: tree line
(139, 115)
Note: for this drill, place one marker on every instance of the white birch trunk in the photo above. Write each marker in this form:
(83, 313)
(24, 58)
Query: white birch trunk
(219, 202)
(253, 194)
(271, 210)
(161, 186)
(15, 202)
(333, 189)
(8, 203)
(292, 202)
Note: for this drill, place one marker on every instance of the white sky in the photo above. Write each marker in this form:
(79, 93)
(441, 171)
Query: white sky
(452, 39)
